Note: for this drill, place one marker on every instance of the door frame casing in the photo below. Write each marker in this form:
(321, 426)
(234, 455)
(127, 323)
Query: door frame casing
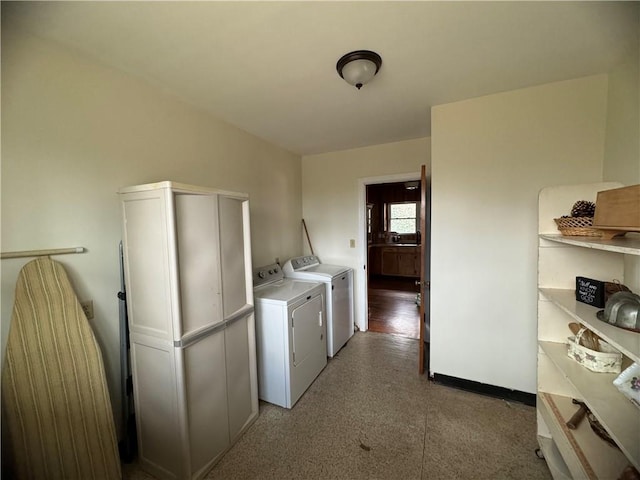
(362, 317)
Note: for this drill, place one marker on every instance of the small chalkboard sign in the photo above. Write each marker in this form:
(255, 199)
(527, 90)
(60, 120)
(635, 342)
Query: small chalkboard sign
(590, 291)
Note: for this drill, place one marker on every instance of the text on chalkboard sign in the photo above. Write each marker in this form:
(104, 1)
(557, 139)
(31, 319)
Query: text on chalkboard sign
(590, 291)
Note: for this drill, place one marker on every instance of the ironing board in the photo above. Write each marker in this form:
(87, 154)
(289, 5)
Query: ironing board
(54, 393)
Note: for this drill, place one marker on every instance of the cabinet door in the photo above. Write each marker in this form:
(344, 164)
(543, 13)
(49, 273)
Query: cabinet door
(204, 377)
(390, 262)
(157, 414)
(375, 260)
(198, 261)
(242, 394)
(406, 263)
(147, 264)
(234, 223)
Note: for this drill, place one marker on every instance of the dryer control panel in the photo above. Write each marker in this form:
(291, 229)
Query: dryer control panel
(267, 274)
(300, 263)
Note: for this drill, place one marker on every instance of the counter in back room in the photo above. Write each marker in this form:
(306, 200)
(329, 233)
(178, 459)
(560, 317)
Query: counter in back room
(395, 259)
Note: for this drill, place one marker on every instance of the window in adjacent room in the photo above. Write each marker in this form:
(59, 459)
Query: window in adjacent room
(402, 217)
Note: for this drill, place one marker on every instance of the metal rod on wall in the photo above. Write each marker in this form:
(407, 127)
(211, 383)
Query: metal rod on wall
(41, 253)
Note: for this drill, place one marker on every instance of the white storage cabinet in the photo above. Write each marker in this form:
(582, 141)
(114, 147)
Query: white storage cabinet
(191, 324)
(580, 453)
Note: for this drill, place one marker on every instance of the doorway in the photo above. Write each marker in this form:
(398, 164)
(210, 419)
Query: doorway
(393, 257)
(367, 236)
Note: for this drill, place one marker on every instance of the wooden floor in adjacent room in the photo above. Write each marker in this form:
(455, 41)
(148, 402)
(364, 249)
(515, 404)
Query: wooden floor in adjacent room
(392, 306)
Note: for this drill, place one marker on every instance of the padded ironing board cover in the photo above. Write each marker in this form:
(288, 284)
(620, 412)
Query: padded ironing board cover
(54, 393)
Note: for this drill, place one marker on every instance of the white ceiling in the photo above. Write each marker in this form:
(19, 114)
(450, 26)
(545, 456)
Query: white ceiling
(269, 67)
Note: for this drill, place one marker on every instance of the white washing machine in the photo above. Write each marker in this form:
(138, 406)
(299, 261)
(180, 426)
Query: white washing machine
(338, 281)
(290, 334)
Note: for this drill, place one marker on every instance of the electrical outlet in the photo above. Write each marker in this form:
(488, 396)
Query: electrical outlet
(87, 308)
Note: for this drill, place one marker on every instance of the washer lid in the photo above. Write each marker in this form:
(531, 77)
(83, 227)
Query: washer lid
(325, 270)
(321, 273)
(286, 290)
(309, 267)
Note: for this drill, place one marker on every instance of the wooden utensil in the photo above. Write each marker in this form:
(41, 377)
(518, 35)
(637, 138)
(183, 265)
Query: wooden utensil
(577, 417)
(588, 339)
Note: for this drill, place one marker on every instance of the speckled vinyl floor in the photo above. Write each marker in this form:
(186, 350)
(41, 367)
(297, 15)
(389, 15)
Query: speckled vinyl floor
(370, 415)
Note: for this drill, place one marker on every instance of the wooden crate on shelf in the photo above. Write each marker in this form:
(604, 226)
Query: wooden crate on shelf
(618, 211)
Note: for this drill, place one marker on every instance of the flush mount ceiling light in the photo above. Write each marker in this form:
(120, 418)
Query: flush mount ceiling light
(359, 67)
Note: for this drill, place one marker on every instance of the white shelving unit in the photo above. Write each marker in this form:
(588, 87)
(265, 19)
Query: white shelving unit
(580, 453)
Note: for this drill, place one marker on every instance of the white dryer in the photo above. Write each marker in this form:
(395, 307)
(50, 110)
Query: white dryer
(338, 281)
(290, 335)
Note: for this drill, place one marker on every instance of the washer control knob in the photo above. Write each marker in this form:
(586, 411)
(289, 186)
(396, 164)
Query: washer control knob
(261, 274)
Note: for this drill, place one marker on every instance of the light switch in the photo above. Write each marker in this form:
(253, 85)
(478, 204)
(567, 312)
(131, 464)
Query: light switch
(352, 243)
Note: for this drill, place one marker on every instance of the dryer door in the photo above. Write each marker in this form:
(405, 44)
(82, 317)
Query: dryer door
(308, 345)
(307, 330)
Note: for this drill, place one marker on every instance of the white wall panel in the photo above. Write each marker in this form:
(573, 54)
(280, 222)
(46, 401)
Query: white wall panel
(490, 157)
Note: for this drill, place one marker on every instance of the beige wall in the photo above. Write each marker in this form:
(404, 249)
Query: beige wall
(331, 198)
(490, 157)
(622, 147)
(73, 132)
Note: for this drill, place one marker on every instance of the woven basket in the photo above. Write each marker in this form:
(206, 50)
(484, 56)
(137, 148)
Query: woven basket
(607, 360)
(577, 227)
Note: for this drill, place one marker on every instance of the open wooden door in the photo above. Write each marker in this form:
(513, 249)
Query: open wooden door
(424, 285)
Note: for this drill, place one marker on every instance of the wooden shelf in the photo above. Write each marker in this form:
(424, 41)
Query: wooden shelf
(614, 411)
(553, 457)
(625, 341)
(629, 245)
(586, 454)
(561, 378)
